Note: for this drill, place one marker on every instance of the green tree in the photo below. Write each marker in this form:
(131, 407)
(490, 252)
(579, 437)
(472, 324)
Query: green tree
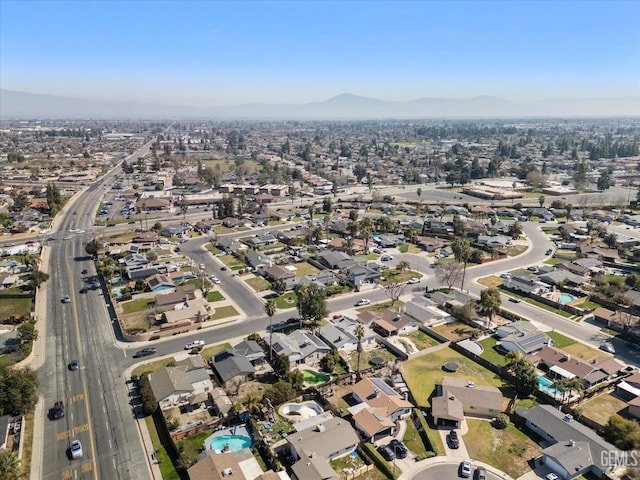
(419, 193)
(611, 240)
(54, 199)
(604, 180)
(311, 303)
(359, 334)
(622, 432)
(541, 200)
(526, 378)
(20, 201)
(403, 265)
(515, 230)
(462, 252)
(281, 365)
(270, 309)
(18, 390)
(490, 302)
(330, 361)
(27, 332)
(148, 399)
(37, 278)
(9, 465)
(92, 248)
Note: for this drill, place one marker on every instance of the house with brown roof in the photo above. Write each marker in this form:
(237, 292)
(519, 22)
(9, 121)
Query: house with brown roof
(275, 273)
(601, 253)
(331, 439)
(456, 398)
(378, 408)
(216, 466)
(182, 294)
(196, 310)
(560, 364)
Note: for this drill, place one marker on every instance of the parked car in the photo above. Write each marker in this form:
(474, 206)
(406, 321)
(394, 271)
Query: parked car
(362, 302)
(57, 411)
(505, 275)
(76, 449)
(533, 268)
(481, 473)
(194, 344)
(607, 347)
(74, 365)
(399, 449)
(465, 469)
(552, 476)
(454, 441)
(549, 252)
(514, 299)
(386, 258)
(386, 452)
(145, 352)
(413, 281)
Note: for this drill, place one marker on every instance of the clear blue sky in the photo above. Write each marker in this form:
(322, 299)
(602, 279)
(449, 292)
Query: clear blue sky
(219, 53)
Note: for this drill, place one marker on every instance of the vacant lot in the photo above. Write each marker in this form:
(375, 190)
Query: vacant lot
(423, 373)
(508, 449)
(454, 330)
(600, 408)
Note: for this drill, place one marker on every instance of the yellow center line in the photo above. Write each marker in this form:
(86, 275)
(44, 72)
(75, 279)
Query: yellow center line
(82, 377)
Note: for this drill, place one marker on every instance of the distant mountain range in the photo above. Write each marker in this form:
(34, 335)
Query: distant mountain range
(14, 104)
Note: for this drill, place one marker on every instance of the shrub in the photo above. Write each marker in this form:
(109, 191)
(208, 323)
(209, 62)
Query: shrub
(501, 422)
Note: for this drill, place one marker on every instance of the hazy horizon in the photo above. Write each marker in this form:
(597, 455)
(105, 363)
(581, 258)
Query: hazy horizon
(211, 54)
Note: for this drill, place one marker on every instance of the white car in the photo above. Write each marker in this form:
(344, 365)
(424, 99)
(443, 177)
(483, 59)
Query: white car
(194, 344)
(362, 302)
(552, 476)
(413, 280)
(465, 469)
(66, 299)
(76, 449)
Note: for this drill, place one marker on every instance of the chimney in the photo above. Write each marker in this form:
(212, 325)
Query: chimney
(572, 443)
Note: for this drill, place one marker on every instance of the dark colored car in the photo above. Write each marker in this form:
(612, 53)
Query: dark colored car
(223, 269)
(84, 290)
(292, 320)
(454, 441)
(84, 272)
(386, 452)
(399, 449)
(145, 352)
(57, 411)
(481, 473)
(74, 365)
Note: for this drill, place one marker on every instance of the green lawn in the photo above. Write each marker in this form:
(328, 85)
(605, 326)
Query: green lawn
(305, 268)
(515, 250)
(600, 408)
(136, 305)
(209, 352)
(610, 331)
(191, 447)
(424, 372)
(404, 248)
(167, 470)
(393, 275)
(589, 304)
(224, 312)
(554, 261)
(508, 450)
(560, 340)
(378, 307)
(259, 284)
(490, 353)
(10, 307)
(284, 301)
(421, 340)
(231, 262)
(152, 366)
(214, 296)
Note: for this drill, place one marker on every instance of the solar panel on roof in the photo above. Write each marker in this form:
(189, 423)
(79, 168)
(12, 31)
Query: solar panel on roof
(383, 386)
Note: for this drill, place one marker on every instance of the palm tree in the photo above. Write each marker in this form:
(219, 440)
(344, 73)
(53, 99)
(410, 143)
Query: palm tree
(462, 253)
(270, 309)
(568, 386)
(366, 228)
(359, 333)
(513, 358)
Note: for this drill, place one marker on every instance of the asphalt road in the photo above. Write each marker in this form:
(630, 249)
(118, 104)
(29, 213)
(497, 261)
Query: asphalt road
(98, 412)
(446, 471)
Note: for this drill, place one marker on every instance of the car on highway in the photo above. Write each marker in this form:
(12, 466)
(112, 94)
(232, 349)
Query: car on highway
(57, 411)
(224, 269)
(145, 352)
(607, 347)
(387, 452)
(194, 344)
(84, 290)
(362, 302)
(399, 448)
(66, 299)
(84, 271)
(454, 441)
(465, 468)
(413, 281)
(76, 449)
(74, 365)
(481, 473)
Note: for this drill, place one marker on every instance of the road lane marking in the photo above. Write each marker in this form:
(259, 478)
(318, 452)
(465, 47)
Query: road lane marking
(86, 467)
(66, 474)
(63, 435)
(78, 397)
(81, 428)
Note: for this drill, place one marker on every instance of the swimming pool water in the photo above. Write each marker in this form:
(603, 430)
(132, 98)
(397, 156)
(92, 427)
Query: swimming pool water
(566, 298)
(546, 386)
(234, 443)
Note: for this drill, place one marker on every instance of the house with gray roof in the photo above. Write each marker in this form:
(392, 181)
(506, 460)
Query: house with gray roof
(188, 383)
(231, 368)
(426, 311)
(360, 275)
(529, 284)
(562, 276)
(261, 240)
(335, 260)
(457, 397)
(258, 259)
(517, 327)
(321, 279)
(575, 449)
(494, 241)
(525, 343)
(337, 338)
(231, 245)
(300, 346)
(331, 439)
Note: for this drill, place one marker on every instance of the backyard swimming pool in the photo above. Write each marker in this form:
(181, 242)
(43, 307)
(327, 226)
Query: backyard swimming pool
(546, 385)
(231, 440)
(566, 298)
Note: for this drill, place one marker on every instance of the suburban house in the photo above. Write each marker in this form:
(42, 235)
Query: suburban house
(316, 446)
(359, 276)
(194, 311)
(260, 241)
(216, 466)
(277, 273)
(616, 319)
(321, 279)
(378, 408)
(221, 401)
(574, 450)
(231, 368)
(560, 364)
(525, 343)
(425, 311)
(169, 301)
(393, 323)
(335, 260)
(494, 241)
(517, 327)
(337, 338)
(349, 325)
(257, 259)
(528, 284)
(457, 397)
(159, 283)
(301, 346)
(186, 384)
(231, 245)
(563, 276)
